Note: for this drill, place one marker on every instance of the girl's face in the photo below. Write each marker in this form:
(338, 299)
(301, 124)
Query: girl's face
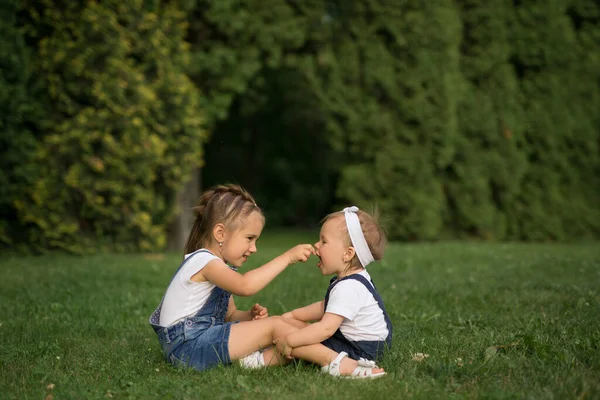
(332, 247)
(241, 243)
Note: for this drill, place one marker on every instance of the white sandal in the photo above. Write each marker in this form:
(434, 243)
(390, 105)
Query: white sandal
(363, 371)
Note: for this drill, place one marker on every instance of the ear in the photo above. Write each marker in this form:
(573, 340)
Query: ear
(219, 232)
(349, 254)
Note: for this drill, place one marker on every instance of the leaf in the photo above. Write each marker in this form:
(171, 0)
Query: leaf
(490, 352)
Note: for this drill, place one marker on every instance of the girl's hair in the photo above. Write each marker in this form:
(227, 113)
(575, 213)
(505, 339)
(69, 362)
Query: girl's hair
(374, 234)
(226, 204)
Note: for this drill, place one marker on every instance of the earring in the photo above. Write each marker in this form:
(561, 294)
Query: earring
(220, 244)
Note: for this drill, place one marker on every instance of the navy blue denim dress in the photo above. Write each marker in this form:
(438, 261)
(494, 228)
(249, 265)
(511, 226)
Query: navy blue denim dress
(199, 341)
(371, 350)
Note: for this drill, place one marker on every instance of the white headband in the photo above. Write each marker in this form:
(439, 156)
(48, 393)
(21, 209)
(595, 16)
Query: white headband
(357, 237)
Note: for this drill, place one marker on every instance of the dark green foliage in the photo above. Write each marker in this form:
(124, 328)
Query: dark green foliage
(19, 110)
(389, 79)
(232, 41)
(245, 60)
(486, 173)
(559, 85)
(457, 119)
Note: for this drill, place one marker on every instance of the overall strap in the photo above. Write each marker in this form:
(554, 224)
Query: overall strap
(155, 317)
(332, 283)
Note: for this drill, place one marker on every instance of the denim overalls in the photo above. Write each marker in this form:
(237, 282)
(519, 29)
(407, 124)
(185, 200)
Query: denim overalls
(371, 350)
(199, 341)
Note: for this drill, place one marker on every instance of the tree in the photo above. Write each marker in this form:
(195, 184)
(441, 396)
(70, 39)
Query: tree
(124, 129)
(561, 134)
(486, 173)
(19, 110)
(388, 77)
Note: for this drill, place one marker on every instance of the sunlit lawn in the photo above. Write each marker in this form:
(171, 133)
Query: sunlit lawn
(496, 321)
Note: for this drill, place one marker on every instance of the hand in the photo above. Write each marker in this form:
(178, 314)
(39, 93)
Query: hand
(299, 253)
(259, 312)
(283, 347)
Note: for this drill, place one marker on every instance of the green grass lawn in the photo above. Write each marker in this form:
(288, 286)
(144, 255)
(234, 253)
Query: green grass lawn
(497, 321)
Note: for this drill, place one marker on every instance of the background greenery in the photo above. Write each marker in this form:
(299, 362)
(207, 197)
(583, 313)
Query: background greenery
(459, 119)
(498, 321)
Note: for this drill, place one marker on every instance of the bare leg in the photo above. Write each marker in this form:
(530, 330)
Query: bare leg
(247, 337)
(317, 354)
(295, 322)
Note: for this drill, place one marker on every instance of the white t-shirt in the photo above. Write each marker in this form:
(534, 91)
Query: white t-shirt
(184, 297)
(363, 318)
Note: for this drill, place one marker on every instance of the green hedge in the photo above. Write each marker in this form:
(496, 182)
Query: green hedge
(20, 110)
(458, 119)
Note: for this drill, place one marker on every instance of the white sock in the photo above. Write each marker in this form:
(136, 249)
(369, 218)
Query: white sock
(253, 360)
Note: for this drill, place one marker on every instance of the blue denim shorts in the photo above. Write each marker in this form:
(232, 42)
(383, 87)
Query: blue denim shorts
(197, 343)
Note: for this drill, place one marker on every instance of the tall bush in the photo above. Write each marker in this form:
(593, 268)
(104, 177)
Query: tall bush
(124, 130)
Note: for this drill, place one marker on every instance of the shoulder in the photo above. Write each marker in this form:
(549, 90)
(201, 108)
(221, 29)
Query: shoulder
(200, 256)
(197, 261)
(349, 287)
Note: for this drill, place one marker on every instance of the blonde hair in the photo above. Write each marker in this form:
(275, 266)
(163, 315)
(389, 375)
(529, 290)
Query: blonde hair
(374, 234)
(226, 204)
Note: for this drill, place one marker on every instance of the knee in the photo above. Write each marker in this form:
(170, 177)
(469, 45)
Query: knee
(288, 315)
(280, 322)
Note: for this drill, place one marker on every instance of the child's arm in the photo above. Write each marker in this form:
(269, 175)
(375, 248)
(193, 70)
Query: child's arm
(311, 312)
(218, 273)
(256, 312)
(312, 334)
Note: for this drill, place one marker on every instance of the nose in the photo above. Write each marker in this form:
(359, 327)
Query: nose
(253, 248)
(316, 246)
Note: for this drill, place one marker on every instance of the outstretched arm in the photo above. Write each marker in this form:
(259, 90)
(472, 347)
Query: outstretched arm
(218, 273)
(312, 312)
